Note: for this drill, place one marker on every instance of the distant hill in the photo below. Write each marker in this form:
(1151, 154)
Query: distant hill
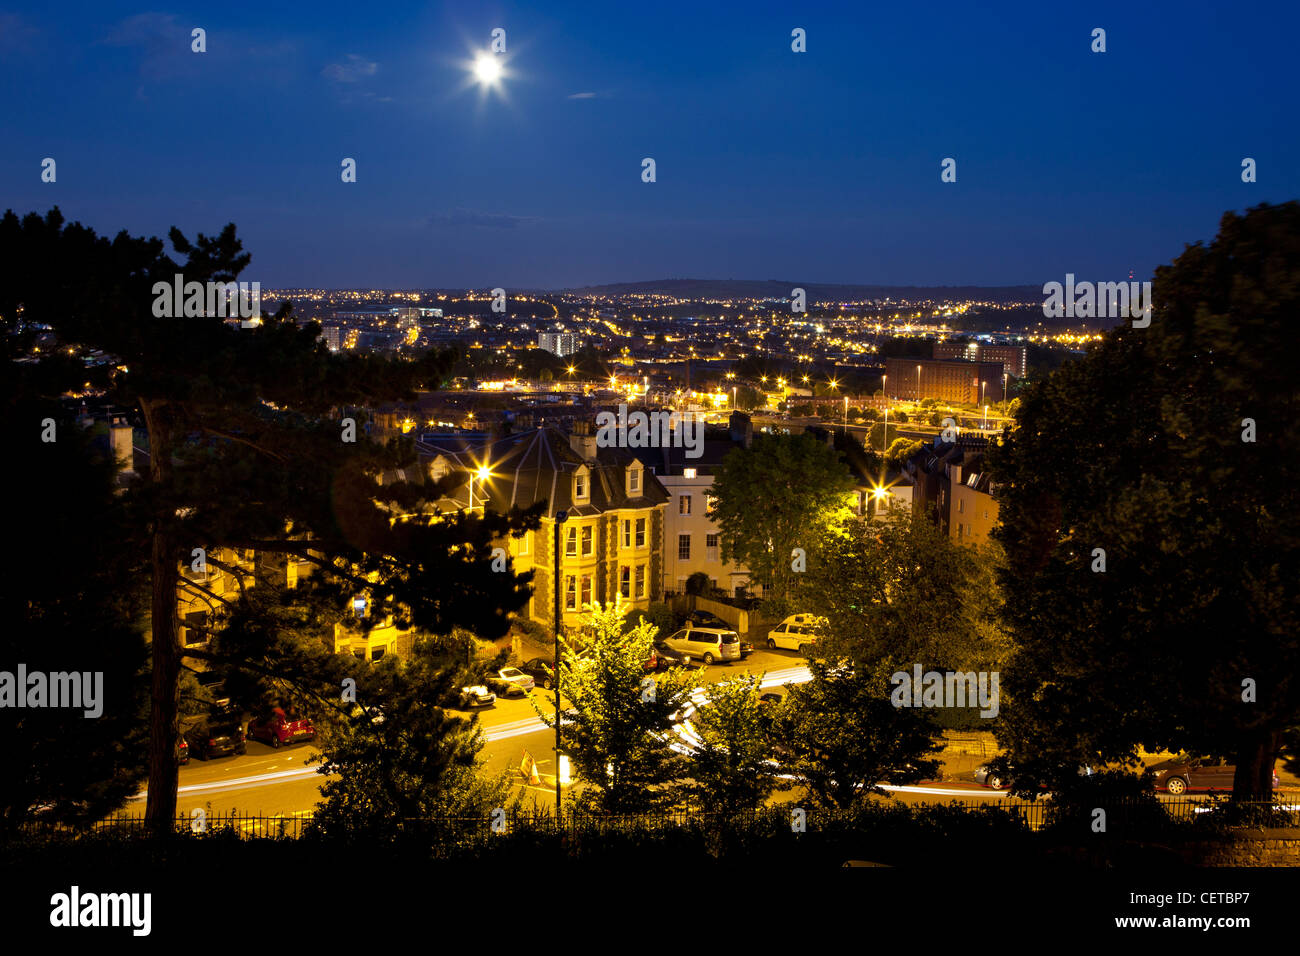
(817, 291)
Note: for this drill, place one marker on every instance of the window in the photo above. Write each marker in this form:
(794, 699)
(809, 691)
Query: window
(683, 504)
(579, 487)
(711, 547)
(570, 593)
(625, 581)
(688, 472)
(587, 547)
(961, 505)
(627, 533)
(525, 542)
(634, 481)
(640, 532)
(640, 580)
(571, 543)
(684, 547)
(586, 589)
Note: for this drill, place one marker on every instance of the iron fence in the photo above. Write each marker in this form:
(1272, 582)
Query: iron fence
(1033, 815)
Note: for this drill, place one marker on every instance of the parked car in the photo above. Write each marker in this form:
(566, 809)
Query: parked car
(1198, 775)
(666, 657)
(986, 777)
(771, 698)
(517, 678)
(539, 669)
(476, 695)
(707, 644)
(795, 632)
(182, 751)
(278, 727)
(746, 648)
(508, 682)
(216, 736)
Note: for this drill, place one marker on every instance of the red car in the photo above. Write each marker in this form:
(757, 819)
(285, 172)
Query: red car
(280, 727)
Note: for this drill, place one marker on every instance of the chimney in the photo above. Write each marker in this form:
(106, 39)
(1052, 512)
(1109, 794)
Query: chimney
(582, 441)
(742, 429)
(123, 451)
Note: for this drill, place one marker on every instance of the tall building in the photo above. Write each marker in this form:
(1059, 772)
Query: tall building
(558, 343)
(1014, 358)
(611, 543)
(333, 336)
(951, 381)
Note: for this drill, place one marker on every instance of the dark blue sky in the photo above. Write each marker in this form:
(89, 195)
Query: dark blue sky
(817, 167)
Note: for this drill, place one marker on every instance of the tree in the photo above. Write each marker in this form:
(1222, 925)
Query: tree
(903, 593)
(398, 756)
(782, 493)
(733, 767)
(844, 737)
(902, 449)
(620, 730)
(1149, 514)
(247, 433)
(698, 583)
(71, 603)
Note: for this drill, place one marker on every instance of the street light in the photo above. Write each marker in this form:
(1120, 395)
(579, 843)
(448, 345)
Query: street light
(560, 518)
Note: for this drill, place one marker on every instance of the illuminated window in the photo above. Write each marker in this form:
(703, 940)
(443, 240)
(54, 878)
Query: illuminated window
(683, 504)
(571, 543)
(570, 593)
(688, 472)
(586, 541)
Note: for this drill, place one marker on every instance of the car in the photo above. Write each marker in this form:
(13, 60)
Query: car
(707, 644)
(516, 678)
(216, 736)
(277, 727)
(504, 686)
(987, 777)
(476, 695)
(746, 648)
(665, 657)
(771, 698)
(540, 670)
(182, 751)
(1196, 775)
(795, 632)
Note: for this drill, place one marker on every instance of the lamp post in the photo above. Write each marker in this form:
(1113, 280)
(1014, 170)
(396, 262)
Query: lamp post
(560, 518)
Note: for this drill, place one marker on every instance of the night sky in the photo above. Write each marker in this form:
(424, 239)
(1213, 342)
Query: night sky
(821, 166)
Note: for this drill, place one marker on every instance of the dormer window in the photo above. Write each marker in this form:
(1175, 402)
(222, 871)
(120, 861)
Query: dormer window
(634, 480)
(581, 486)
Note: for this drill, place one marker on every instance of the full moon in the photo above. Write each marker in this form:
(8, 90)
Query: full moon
(487, 69)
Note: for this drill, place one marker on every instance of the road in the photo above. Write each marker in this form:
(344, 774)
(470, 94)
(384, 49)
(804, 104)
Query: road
(281, 782)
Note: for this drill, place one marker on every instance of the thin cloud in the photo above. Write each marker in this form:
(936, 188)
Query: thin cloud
(469, 218)
(356, 68)
(582, 96)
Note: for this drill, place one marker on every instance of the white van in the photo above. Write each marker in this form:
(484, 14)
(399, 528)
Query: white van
(794, 632)
(707, 644)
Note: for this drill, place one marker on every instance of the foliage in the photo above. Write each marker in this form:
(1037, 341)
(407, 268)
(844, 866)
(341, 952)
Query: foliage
(1137, 450)
(844, 736)
(619, 732)
(782, 493)
(732, 767)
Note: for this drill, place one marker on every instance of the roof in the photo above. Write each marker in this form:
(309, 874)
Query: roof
(535, 466)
